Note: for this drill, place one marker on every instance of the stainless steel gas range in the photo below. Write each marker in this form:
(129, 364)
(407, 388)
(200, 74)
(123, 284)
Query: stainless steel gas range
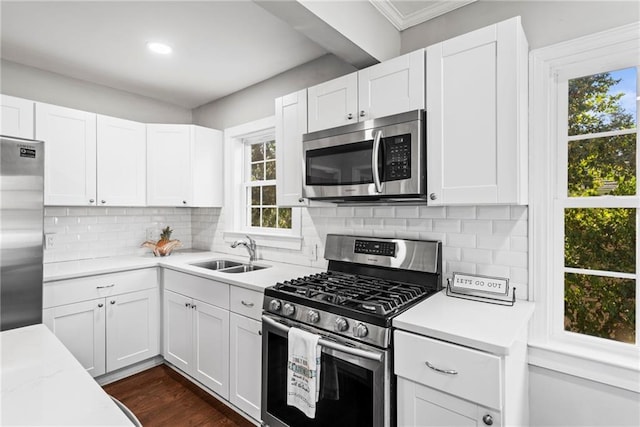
(350, 306)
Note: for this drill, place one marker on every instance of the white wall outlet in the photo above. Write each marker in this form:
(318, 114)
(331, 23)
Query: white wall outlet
(50, 240)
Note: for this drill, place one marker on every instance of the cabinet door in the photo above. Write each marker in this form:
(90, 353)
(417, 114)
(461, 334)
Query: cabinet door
(291, 124)
(133, 328)
(207, 167)
(422, 406)
(122, 160)
(476, 117)
(70, 155)
(168, 165)
(392, 87)
(81, 328)
(333, 103)
(16, 117)
(245, 364)
(178, 330)
(211, 347)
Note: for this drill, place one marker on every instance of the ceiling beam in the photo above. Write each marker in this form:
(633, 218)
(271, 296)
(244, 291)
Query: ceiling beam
(353, 31)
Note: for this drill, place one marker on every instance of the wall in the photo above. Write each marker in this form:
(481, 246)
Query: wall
(544, 22)
(44, 86)
(257, 101)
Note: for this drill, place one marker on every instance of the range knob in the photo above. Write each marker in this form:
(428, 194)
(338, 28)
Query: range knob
(288, 309)
(313, 316)
(341, 324)
(275, 305)
(360, 331)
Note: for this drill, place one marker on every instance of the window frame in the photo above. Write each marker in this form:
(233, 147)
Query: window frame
(552, 347)
(235, 208)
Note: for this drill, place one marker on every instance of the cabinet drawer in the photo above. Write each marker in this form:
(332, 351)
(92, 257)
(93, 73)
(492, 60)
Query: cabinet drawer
(70, 291)
(207, 290)
(478, 377)
(246, 302)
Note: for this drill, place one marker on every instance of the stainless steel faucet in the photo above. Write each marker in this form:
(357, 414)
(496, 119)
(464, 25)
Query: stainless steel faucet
(251, 247)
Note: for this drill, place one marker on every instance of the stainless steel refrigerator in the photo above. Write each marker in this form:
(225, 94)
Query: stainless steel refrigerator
(21, 231)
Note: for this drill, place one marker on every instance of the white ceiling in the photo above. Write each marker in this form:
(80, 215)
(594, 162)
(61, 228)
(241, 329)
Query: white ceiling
(219, 47)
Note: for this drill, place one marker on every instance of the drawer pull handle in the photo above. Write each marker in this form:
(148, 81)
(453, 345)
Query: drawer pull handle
(443, 371)
(247, 304)
(104, 287)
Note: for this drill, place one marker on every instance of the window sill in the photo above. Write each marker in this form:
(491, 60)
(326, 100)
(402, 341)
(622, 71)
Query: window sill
(266, 239)
(622, 371)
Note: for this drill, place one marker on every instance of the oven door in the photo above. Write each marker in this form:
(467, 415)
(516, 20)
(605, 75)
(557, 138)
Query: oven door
(355, 382)
(378, 162)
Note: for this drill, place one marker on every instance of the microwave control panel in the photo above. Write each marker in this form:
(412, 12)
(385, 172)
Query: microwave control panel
(397, 157)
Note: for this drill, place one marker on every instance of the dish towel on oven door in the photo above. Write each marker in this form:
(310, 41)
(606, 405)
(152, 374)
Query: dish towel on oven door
(303, 371)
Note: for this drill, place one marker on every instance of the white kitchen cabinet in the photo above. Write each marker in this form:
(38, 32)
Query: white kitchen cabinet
(184, 166)
(477, 117)
(245, 350)
(196, 329)
(70, 154)
(106, 321)
(81, 327)
(391, 87)
(16, 117)
(291, 124)
(121, 162)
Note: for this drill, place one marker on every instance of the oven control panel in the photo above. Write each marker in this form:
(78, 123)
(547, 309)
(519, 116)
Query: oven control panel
(372, 247)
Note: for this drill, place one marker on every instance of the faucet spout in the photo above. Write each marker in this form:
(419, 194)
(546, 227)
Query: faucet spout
(251, 247)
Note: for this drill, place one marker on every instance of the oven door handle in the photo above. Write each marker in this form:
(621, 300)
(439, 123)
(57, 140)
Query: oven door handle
(374, 161)
(329, 344)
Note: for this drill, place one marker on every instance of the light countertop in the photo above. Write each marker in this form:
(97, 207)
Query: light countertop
(256, 280)
(487, 327)
(43, 384)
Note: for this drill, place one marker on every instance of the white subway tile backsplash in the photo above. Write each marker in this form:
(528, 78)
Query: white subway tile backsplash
(55, 211)
(419, 224)
(512, 228)
(477, 227)
(494, 212)
(510, 258)
(461, 212)
(446, 225)
(493, 270)
(459, 267)
(433, 212)
(519, 212)
(500, 242)
(478, 256)
(461, 240)
(384, 212)
(519, 243)
(407, 211)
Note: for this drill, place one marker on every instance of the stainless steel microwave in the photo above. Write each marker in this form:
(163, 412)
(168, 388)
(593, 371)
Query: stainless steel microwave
(377, 160)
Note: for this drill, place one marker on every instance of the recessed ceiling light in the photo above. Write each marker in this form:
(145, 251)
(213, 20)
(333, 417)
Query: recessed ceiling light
(160, 48)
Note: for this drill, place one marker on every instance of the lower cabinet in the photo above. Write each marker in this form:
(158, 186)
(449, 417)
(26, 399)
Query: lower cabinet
(111, 331)
(245, 364)
(196, 340)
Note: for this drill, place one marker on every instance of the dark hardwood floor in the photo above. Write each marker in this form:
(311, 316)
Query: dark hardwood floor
(162, 397)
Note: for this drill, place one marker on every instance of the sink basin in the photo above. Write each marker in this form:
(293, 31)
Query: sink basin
(217, 264)
(244, 268)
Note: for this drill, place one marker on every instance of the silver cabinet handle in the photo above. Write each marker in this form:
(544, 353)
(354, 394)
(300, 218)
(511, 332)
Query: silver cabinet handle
(260, 332)
(186, 304)
(103, 201)
(113, 302)
(374, 161)
(247, 304)
(433, 196)
(442, 371)
(184, 202)
(100, 305)
(349, 116)
(91, 200)
(487, 419)
(104, 287)
(362, 113)
(301, 200)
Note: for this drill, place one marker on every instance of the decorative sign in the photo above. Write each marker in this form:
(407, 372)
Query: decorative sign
(467, 282)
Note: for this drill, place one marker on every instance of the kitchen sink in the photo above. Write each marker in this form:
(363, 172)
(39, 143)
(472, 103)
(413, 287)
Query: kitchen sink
(217, 264)
(244, 268)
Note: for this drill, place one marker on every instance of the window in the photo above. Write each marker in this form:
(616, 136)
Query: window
(584, 207)
(260, 183)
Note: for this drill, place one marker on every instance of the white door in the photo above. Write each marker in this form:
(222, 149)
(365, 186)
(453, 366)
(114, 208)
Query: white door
(70, 155)
(392, 87)
(475, 118)
(122, 162)
(207, 167)
(211, 347)
(333, 103)
(168, 165)
(81, 328)
(421, 406)
(291, 124)
(178, 330)
(245, 364)
(16, 117)
(133, 328)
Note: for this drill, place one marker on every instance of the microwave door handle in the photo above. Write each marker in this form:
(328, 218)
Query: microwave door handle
(375, 155)
(358, 352)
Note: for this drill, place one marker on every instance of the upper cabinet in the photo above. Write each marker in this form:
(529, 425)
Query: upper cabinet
(121, 162)
(291, 124)
(70, 154)
(391, 87)
(16, 117)
(184, 166)
(477, 117)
